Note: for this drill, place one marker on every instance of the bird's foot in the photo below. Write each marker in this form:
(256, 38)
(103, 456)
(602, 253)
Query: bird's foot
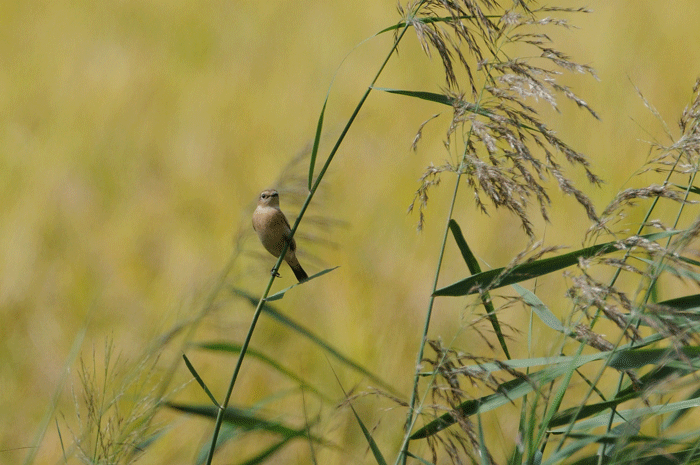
(275, 273)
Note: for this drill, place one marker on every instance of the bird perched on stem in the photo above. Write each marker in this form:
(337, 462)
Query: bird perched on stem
(274, 231)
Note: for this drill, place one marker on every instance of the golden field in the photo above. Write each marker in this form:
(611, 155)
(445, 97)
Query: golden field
(135, 138)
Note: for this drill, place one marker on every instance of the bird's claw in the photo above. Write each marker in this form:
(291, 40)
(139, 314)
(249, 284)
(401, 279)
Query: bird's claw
(275, 273)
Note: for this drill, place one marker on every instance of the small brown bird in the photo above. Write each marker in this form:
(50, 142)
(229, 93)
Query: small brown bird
(274, 231)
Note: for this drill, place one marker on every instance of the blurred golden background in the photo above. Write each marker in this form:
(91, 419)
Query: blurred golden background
(135, 137)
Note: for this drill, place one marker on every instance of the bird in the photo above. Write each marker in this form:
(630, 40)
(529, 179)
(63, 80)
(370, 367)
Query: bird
(274, 231)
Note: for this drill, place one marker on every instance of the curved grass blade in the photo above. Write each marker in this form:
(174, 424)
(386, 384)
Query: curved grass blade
(227, 347)
(370, 440)
(368, 436)
(502, 277)
(474, 268)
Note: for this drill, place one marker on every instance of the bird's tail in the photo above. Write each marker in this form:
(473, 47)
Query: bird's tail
(299, 273)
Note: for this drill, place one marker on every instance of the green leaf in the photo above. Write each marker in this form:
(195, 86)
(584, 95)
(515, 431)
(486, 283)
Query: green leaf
(686, 302)
(541, 310)
(199, 380)
(368, 436)
(672, 418)
(502, 277)
(474, 268)
(242, 419)
(420, 459)
(692, 189)
(483, 450)
(317, 140)
(281, 293)
(429, 96)
(631, 359)
(654, 377)
(370, 440)
(567, 416)
(628, 415)
(626, 430)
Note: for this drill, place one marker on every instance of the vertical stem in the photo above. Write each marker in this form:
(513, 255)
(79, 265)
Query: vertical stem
(258, 309)
(412, 416)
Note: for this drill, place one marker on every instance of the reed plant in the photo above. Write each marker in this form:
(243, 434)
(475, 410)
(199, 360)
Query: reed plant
(619, 385)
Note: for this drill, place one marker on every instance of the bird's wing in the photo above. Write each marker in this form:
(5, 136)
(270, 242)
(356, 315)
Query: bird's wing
(293, 243)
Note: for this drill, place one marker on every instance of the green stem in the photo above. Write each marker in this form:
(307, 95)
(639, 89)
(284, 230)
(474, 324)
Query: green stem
(258, 309)
(412, 417)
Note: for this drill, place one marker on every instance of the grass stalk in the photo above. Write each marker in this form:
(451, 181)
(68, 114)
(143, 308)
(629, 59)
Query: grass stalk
(261, 302)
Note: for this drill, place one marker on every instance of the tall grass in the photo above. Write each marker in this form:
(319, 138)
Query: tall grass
(620, 384)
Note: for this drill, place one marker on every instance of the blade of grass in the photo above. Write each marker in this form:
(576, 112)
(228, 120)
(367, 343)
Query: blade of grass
(368, 436)
(304, 207)
(541, 310)
(483, 450)
(420, 459)
(502, 277)
(264, 455)
(674, 417)
(242, 419)
(474, 268)
(281, 293)
(317, 141)
(200, 380)
(637, 358)
(438, 98)
(654, 377)
(627, 415)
